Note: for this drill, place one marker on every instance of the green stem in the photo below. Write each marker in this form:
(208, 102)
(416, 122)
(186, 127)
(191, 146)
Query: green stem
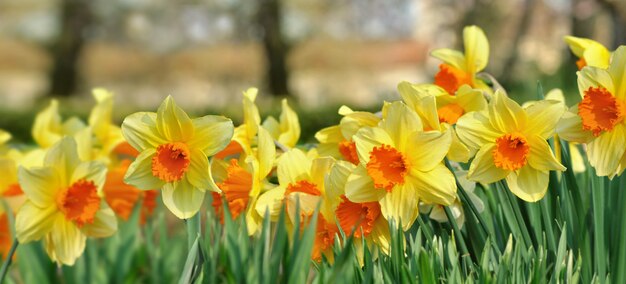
(597, 195)
(457, 233)
(518, 214)
(193, 229)
(8, 261)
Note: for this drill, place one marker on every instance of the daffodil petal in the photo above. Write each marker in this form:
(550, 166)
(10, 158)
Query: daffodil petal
(476, 49)
(543, 117)
(483, 168)
(320, 168)
(475, 130)
(617, 69)
(40, 185)
(436, 186)
(64, 158)
(212, 133)
(47, 125)
(198, 171)
(173, 122)
(541, 156)
(139, 173)
(594, 77)
(289, 126)
(360, 187)
(140, 131)
(266, 152)
(450, 56)
(459, 152)
(528, 183)
(65, 242)
(32, 222)
(271, 201)
(91, 171)
(434, 145)
(104, 223)
(331, 134)
(293, 166)
(606, 150)
(182, 199)
(570, 127)
(400, 123)
(400, 205)
(505, 114)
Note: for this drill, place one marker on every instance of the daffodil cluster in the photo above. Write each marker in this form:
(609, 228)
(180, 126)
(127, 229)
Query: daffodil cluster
(370, 170)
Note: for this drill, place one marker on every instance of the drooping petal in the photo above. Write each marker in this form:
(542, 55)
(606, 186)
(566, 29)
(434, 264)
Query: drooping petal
(293, 166)
(182, 198)
(139, 173)
(66, 242)
(605, 151)
(450, 56)
(400, 123)
(360, 187)
(475, 130)
(104, 224)
(483, 168)
(543, 117)
(428, 149)
(212, 133)
(369, 137)
(140, 131)
(617, 69)
(173, 123)
(400, 205)
(40, 185)
(33, 222)
(541, 156)
(528, 183)
(570, 127)
(289, 126)
(47, 126)
(436, 186)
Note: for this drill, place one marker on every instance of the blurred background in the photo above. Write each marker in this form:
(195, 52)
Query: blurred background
(318, 53)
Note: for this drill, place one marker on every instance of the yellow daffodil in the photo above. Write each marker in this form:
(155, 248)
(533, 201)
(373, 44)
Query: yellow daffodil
(439, 111)
(64, 203)
(286, 130)
(336, 141)
(241, 181)
(598, 119)
(460, 68)
(364, 219)
(173, 154)
(48, 127)
(400, 164)
(589, 52)
(301, 181)
(244, 135)
(511, 143)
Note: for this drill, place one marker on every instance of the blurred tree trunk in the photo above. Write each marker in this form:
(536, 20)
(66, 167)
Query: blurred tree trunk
(275, 47)
(75, 19)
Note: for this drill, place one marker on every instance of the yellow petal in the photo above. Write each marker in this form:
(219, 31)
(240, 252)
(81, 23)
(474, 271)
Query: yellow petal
(91, 171)
(381, 236)
(360, 187)
(505, 114)
(212, 133)
(476, 49)
(436, 186)
(541, 156)
(597, 56)
(173, 123)
(543, 117)
(593, 77)
(369, 137)
(528, 183)
(437, 145)
(40, 185)
(182, 198)
(319, 169)
(266, 152)
(475, 130)
(331, 134)
(400, 205)
(570, 127)
(271, 201)
(617, 69)
(140, 131)
(101, 115)
(251, 117)
(272, 126)
(139, 173)
(32, 222)
(606, 150)
(47, 126)
(335, 183)
(458, 152)
(450, 57)
(483, 168)
(198, 171)
(72, 126)
(293, 166)
(400, 123)
(65, 243)
(289, 126)
(104, 224)
(471, 99)
(578, 45)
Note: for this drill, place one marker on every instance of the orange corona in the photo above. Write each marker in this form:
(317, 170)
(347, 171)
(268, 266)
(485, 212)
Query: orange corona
(171, 161)
(600, 110)
(511, 151)
(387, 167)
